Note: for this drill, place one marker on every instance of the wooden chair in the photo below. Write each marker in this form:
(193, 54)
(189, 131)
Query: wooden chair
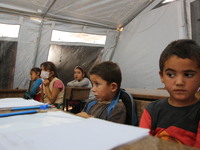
(75, 93)
(140, 106)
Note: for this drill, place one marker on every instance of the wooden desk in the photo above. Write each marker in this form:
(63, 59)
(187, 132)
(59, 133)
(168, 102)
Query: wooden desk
(148, 94)
(75, 93)
(12, 93)
(153, 143)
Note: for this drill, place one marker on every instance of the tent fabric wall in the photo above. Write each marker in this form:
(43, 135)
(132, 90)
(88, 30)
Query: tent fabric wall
(27, 42)
(136, 49)
(142, 41)
(109, 14)
(34, 42)
(45, 40)
(49, 26)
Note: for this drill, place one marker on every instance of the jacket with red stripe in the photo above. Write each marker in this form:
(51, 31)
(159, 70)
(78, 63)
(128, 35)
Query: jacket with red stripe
(180, 124)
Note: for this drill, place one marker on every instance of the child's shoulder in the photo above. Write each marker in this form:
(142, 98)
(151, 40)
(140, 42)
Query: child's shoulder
(120, 104)
(158, 103)
(39, 80)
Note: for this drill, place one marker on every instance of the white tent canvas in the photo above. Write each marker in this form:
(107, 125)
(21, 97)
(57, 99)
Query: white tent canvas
(136, 33)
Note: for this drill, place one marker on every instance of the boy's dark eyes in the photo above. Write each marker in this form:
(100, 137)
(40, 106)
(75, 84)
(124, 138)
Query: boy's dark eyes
(189, 75)
(170, 74)
(96, 84)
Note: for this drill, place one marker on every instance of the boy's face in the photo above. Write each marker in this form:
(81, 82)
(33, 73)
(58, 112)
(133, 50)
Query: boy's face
(101, 89)
(181, 78)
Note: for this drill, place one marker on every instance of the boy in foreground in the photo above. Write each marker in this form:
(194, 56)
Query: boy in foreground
(177, 118)
(106, 81)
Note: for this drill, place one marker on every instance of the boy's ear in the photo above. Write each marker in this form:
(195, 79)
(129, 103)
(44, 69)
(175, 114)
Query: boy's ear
(114, 86)
(161, 76)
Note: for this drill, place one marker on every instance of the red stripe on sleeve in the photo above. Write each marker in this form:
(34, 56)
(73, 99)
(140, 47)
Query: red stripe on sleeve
(197, 142)
(145, 121)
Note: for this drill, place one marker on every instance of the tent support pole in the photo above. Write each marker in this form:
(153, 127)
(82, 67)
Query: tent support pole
(116, 41)
(185, 19)
(38, 41)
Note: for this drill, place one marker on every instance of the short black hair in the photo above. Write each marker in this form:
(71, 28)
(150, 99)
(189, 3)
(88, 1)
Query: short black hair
(108, 71)
(183, 48)
(36, 70)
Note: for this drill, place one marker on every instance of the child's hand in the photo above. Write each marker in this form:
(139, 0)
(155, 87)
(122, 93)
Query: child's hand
(84, 115)
(46, 82)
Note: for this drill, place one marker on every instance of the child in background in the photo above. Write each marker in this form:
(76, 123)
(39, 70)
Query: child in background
(177, 118)
(80, 80)
(52, 87)
(34, 91)
(106, 80)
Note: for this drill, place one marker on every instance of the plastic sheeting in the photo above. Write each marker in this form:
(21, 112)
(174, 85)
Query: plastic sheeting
(67, 57)
(8, 50)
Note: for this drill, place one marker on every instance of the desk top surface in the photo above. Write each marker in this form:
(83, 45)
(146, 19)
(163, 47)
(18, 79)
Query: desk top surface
(148, 93)
(153, 143)
(12, 90)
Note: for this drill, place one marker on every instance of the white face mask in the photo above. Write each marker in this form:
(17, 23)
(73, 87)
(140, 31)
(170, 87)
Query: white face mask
(44, 74)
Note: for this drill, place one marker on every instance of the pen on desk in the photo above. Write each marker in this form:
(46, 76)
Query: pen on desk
(33, 107)
(28, 107)
(22, 113)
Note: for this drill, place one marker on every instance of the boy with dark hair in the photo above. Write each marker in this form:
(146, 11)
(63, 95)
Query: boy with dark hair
(177, 118)
(106, 80)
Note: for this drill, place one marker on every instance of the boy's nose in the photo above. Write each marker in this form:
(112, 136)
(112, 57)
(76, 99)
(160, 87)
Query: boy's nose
(179, 80)
(93, 89)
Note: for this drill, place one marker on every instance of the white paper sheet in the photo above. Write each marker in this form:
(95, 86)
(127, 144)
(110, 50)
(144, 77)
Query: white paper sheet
(87, 134)
(34, 121)
(18, 102)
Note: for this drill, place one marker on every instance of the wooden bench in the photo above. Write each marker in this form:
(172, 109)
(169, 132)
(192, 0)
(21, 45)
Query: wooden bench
(5, 93)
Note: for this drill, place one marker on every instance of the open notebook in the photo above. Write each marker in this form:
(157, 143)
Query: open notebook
(18, 102)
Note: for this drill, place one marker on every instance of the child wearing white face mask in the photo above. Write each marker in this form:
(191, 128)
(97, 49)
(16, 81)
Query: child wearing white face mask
(52, 87)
